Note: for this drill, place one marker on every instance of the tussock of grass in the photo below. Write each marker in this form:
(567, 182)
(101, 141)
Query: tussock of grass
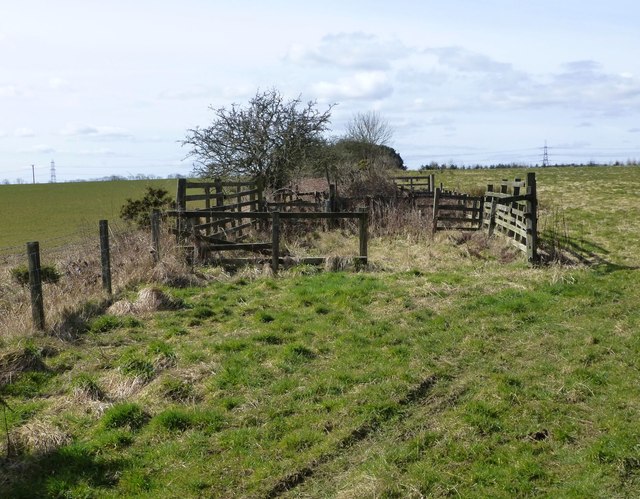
(124, 415)
(39, 437)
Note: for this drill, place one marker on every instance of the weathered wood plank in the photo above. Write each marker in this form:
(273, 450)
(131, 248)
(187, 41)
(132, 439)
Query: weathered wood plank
(460, 197)
(458, 219)
(309, 260)
(201, 197)
(297, 203)
(510, 227)
(216, 213)
(238, 247)
(204, 185)
(35, 285)
(458, 207)
(238, 228)
(275, 242)
(319, 215)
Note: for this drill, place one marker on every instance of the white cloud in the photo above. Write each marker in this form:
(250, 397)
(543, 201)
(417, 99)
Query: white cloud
(585, 85)
(584, 66)
(96, 132)
(438, 121)
(44, 149)
(233, 91)
(365, 85)
(102, 152)
(10, 91)
(461, 59)
(360, 51)
(196, 92)
(56, 83)
(578, 144)
(24, 132)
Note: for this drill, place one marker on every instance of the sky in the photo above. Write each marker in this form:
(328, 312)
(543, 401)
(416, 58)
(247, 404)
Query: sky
(111, 87)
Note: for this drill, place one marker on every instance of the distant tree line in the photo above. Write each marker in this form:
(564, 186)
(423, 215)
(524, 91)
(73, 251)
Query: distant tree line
(434, 165)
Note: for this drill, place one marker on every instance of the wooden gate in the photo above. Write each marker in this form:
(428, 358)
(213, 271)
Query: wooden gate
(511, 210)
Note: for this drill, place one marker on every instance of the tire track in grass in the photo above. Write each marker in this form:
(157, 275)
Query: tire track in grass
(298, 477)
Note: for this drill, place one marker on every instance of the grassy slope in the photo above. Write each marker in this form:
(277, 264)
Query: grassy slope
(57, 213)
(599, 205)
(441, 373)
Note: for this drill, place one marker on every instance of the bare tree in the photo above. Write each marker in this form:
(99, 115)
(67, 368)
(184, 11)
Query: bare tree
(369, 128)
(268, 139)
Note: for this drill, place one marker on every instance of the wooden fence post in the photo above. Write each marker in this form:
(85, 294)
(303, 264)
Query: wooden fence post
(432, 182)
(260, 187)
(105, 257)
(261, 203)
(364, 235)
(436, 200)
(252, 199)
(155, 235)
(219, 193)
(492, 216)
(239, 201)
(35, 285)
(333, 192)
(532, 219)
(332, 206)
(181, 206)
(207, 205)
(219, 199)
(275, 241)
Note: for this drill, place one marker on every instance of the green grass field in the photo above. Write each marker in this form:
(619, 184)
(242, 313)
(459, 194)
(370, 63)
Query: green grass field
(447, 369)
(56, 214)
(599, 205)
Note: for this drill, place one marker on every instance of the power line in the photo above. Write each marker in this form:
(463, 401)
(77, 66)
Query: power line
(545, 155)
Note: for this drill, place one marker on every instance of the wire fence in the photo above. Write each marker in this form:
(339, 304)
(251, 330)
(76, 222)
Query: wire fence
(80, 264)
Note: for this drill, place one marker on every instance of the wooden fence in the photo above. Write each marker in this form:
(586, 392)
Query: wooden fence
(205, 246)
(511, 210)
(216, 224)
(35, 270)
(456, 211)
(217, 196)
(293, 200)
(416, 184)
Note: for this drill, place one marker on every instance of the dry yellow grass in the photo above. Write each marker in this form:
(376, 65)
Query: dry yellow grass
(81, 282)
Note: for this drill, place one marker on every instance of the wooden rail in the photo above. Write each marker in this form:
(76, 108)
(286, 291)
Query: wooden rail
(215, 196)
(416, 184)
(455, 211)
(211, 243)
